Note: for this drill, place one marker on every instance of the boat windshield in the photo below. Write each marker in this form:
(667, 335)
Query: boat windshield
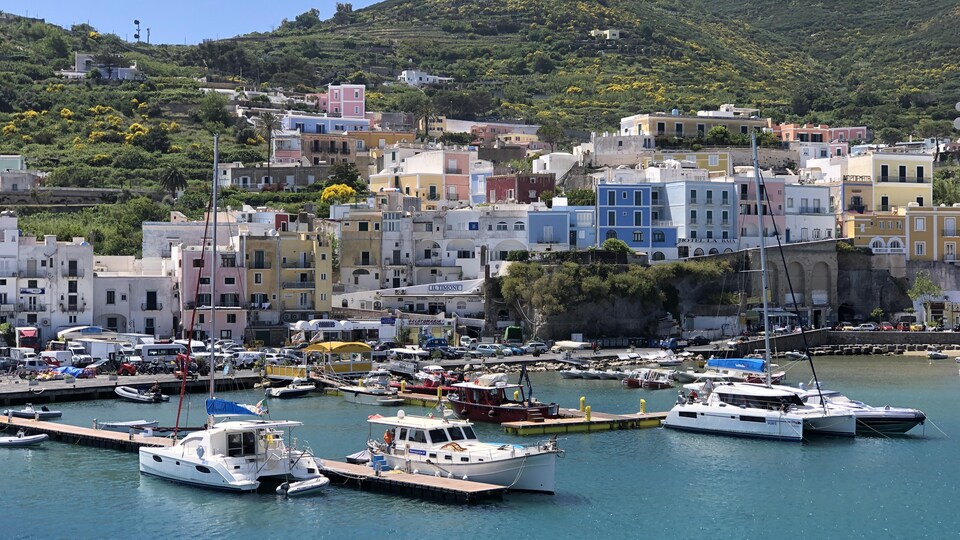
(455, 434)
(438, 436)
(468, 433)
(761, 402)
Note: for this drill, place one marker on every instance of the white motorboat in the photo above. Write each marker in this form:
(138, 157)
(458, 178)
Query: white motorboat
(29, 411)
(572, 373)
(590, 374)
(937, 355)
(449, 448)
(137, 395)
(235, 455)
(870, 420)
(612, 374)
(796, 356)
(374, 389)
(297, 388)
(22, 439)
(126, 426)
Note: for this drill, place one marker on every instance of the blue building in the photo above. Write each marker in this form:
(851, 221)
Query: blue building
(324, 124)
(625, 212)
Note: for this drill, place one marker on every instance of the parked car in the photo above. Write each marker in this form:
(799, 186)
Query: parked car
(466, 341)
(698, 341)
(673, 344)
(846, 327)
(867, 327)
(886, 326)
(7, 364)
(736, 341)
(484, 349)
(917, 327)
(107, 366)
(535, 347)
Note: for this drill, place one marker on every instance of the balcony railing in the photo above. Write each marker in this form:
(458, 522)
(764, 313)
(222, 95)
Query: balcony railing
(32, 308)
(450, 170)
(433, 197)
(73, 308)
(858, 208)
(949, 257)
(364, 262)
(811, 210)
(6, 308)
(261, 265)
(950, 232)
(299, 284)
(298, 264)
(889, 250)
(904, 179)
(36, 274)
(857, 178)
(155, 306)
(77, 273)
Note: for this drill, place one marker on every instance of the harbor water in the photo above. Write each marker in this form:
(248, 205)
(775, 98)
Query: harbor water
(621, 484)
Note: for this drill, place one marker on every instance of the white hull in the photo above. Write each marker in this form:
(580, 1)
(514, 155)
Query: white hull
(832, 422)
(23, 440)
(355, 394)
(124, 427)
(571, 374)
(729, 420)
(535, 472)
(216, 459)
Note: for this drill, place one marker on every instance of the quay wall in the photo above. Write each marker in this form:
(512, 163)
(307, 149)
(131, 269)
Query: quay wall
(822, 338)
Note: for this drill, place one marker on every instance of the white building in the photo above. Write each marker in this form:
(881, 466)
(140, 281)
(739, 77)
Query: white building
(54, 284)
(9, 253)
(808, 214)
(135, 295)
(415, 77)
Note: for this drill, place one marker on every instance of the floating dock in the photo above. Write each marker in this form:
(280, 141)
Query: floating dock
(96, 438)
(413, 485)
(575, 421)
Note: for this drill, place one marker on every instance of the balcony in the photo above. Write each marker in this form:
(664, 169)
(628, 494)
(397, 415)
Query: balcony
(811, 210)
(858, 208)
(7, 308)
(75, 273)
(261, 265)
(433, 197)
(35, 274)
(31, 308)
(858, 178)
(903, 180)
(154, 306)
(949, 257)
(950, 232)
(73, 308)
(364, 262)
(299, 284)
(449, 170)
(297, 264)
(879, 251)
(293, 306)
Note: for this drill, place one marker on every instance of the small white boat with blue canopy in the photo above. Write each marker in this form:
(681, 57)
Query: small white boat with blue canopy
(234, 455)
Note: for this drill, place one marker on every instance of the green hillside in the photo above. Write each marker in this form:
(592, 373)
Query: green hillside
(892, 67)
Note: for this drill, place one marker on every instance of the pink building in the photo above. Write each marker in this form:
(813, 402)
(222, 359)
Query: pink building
(750, 212)
(521, 188)
(803, 133)
(848, 134)
(195, 266)
(346, 100)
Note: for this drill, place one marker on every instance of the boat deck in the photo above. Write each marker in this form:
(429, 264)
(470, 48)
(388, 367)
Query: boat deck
(575, 421)
(97, 438)
(413, 485)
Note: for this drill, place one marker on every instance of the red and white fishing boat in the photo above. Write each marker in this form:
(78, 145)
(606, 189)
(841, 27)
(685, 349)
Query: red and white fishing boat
(490, 398)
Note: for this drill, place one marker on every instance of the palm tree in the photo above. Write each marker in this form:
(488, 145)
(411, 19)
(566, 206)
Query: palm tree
(266, 125)
(172, 179)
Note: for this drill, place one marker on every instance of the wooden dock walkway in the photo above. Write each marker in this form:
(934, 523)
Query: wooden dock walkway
(96, 438)
(412, 485)
(574, 421)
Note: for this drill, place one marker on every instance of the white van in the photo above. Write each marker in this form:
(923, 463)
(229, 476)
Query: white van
(246, 359)
(63, 358)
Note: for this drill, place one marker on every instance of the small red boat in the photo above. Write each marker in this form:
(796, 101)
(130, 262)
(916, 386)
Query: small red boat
(490, 398)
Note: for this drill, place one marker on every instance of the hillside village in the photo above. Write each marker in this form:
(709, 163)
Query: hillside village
(441, 220)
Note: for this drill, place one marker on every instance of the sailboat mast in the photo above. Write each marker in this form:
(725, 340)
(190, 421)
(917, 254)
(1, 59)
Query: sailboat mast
(763, 255)
(213, 267)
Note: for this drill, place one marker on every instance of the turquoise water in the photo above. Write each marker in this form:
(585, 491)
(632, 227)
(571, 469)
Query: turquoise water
(643, 483)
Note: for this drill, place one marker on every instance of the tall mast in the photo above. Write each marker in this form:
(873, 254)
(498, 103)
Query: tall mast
(763, 256)
(213, 267)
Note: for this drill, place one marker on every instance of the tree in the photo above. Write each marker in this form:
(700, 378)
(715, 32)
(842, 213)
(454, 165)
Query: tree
(337, 193)
(173, 180)
(877, 314)
(213, 111)
(551, 132)
(718, 135)
(923, 287)
(581, 197)
(348, 174)
(615, 245)
(889, 135)
(267, 123)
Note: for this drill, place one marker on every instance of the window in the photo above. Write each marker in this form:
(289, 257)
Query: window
(363, 226)
(198, 263)
(919, 248)
(693, 196)
(693, 235)
(519, 226)
(258, 278)
(638, 219)
(111, 298)
(693, 217)
(714, 161)
(789, 202)
(638, 198)
(638, 236)
(502, 226)
(611, 219)
(231, 318)
(920, 224)
(658, 236)
(229, 281)
(611, 234)
(611, 198)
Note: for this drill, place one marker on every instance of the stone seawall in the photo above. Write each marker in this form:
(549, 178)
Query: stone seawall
(829, 342)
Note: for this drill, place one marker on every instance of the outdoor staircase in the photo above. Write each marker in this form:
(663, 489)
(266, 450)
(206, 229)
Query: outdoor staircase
(534, 416)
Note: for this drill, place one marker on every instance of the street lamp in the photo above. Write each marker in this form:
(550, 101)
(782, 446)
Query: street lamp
(136, 35)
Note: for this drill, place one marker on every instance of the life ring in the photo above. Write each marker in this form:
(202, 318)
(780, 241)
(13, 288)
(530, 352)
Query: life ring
(453, 446)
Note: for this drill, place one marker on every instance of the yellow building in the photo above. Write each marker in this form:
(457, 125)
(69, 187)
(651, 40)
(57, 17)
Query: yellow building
(714, 162)
(361, 240)
(428, 187)
(922, 233)
(896, 178)
(661, 124)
